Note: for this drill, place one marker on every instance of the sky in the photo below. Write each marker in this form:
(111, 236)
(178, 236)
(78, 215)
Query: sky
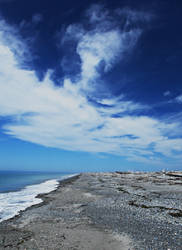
(90, 85)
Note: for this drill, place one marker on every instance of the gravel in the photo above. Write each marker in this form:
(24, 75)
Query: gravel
(144, 211)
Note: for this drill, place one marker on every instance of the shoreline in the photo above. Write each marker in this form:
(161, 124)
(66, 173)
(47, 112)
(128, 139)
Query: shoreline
(44, 198)
(115, 210)
(37, 198)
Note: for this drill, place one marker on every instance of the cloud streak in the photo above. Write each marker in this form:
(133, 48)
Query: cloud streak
(64, 117)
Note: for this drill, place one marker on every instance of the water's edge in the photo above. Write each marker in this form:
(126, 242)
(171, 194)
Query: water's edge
(29, 196)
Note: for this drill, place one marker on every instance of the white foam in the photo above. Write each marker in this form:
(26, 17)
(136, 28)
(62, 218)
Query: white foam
(13, 202)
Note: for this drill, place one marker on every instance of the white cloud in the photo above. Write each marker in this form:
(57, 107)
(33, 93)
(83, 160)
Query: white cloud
(168, 146)
(105, 42)
(94, 48)
(65, 119)
(9, 37)
(106, 46)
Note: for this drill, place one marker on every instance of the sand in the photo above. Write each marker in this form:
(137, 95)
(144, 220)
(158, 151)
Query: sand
(102, 211)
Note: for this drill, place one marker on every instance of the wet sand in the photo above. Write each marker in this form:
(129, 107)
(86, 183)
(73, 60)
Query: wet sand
(102, 211)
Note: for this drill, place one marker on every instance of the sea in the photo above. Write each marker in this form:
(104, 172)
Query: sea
(18, 189)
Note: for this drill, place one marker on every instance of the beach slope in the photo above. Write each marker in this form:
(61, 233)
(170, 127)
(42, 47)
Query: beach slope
(102, 211)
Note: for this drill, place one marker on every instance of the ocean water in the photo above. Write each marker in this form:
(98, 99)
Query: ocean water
(18, 190)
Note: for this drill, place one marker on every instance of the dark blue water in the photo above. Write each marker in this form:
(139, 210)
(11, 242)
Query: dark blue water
(17, 180)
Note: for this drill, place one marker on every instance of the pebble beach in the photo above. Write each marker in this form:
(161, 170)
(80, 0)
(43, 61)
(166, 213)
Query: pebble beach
(102, 211)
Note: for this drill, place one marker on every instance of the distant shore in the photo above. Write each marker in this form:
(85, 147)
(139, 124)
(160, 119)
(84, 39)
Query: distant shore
(102, 211)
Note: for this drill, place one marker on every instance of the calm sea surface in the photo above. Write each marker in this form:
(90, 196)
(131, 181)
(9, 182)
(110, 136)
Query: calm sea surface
(16, 180)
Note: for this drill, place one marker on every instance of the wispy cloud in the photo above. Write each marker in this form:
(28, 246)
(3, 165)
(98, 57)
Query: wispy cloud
(37, 18)
(64, 117)
(176, 100)
(167, 93)
(11, 40)
(179, 99)
(100, 44)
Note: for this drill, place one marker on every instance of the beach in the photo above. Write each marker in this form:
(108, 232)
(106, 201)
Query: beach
(102, 211)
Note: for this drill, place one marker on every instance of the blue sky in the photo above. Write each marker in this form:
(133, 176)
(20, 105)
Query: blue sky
(90, 85)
